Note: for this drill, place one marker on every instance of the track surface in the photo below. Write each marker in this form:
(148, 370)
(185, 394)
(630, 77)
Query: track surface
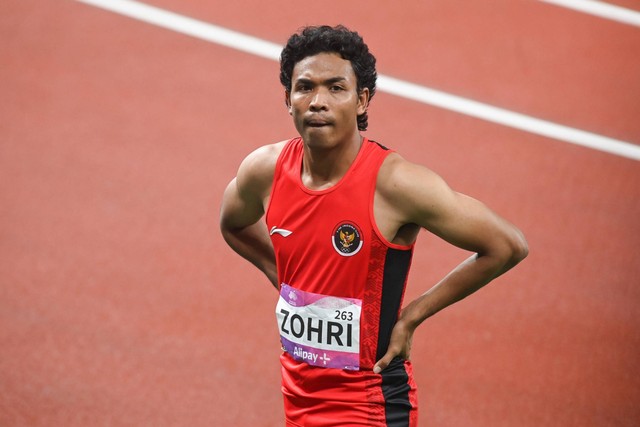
(121, 305)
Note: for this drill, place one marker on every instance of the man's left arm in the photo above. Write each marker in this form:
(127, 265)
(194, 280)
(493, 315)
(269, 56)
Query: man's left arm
(421, 197)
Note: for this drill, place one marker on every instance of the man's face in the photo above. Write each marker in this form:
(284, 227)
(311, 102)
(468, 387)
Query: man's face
(324, 101)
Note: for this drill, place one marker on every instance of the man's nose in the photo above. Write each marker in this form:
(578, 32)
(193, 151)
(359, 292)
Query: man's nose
(318, 100)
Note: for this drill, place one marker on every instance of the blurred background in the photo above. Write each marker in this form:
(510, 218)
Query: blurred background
(121, 305)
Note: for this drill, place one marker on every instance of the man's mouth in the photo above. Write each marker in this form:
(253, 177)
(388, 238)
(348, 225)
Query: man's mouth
(317, 123)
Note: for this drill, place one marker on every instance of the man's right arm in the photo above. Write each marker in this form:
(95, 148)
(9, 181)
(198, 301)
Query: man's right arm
(243, 205)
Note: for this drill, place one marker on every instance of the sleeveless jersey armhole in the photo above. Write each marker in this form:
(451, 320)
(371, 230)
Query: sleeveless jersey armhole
(374, 223)
(276, 175)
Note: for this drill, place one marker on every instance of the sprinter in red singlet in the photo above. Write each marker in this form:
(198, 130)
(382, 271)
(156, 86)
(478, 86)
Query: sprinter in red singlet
(341, 217)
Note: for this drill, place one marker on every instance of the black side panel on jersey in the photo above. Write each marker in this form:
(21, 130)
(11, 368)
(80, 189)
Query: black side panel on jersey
(396, 268)
(395, 389)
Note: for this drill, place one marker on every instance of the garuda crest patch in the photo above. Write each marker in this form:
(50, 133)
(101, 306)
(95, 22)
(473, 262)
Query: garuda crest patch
(347, 239)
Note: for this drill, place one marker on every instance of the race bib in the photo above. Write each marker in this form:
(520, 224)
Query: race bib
(318, 329)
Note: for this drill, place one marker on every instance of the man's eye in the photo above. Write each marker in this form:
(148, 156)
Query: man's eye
(336, 88)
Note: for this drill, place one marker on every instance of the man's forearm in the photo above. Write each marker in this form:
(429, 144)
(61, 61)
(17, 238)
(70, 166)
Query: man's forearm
(471, 275)
(253, 244)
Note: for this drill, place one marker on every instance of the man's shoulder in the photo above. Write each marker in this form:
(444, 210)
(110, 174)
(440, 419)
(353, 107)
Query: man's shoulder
(265, 154)
(263, 159)
(399, 178)
(394, 168)
(257, 169)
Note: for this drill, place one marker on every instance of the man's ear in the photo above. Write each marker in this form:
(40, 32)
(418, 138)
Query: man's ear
(363, 101)
(287, 100)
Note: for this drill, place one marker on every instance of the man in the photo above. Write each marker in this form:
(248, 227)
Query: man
(342, 216)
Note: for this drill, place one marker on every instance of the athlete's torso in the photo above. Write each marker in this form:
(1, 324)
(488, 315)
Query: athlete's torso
(342, 282)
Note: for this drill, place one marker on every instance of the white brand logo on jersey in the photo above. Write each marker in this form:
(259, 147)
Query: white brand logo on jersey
(280, 231)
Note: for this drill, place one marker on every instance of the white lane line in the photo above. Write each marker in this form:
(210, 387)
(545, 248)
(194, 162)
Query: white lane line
(269, 50)
(600, 9)
(189, 26)
(508, 118)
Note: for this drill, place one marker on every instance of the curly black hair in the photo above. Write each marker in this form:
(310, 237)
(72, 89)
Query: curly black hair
(348, 44)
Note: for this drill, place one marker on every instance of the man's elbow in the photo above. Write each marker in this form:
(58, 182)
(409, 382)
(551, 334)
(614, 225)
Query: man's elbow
(519, 248)
(230, 231)
(509, 250)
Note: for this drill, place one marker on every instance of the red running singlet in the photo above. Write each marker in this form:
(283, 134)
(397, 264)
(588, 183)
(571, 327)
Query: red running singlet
(342, 285)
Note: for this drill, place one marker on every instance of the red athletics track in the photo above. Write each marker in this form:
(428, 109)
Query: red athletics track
(120, 304)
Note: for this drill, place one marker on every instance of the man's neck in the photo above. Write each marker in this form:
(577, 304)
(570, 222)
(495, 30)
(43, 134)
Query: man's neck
(323, 168)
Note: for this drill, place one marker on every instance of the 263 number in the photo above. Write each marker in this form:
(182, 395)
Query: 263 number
(343, 315)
